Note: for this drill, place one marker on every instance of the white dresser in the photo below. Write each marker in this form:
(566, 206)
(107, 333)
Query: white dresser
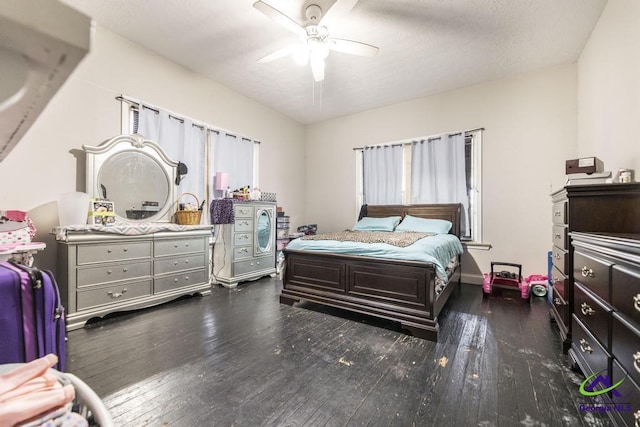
(101, 273)
(245, 250)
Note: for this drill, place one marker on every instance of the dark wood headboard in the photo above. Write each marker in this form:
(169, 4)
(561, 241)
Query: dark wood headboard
(449, 211)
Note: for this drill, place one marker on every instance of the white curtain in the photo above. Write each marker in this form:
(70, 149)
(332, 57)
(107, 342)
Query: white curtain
(232, 155)
(382, 171)
(182, 142)
(438, 173)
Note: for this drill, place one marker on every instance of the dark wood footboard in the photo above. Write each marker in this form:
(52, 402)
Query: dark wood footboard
(402, 291)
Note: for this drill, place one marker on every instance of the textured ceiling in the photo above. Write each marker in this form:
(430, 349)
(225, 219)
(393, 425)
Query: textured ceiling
(426, 46)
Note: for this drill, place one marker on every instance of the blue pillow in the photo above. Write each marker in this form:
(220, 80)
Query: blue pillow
(424, 225)
(377, 224)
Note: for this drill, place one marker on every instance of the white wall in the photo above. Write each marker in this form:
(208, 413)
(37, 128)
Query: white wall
(530, 123)
(609, 88)
(49, 161)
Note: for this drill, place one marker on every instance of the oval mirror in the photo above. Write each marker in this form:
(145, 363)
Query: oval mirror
(135, 174)
(136, 183)
(263, 228)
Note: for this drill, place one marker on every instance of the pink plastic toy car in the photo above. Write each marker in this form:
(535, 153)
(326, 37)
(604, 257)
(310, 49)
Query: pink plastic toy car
(506, 280)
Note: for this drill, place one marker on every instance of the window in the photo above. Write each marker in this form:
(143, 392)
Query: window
(204, 149)
(472, 173)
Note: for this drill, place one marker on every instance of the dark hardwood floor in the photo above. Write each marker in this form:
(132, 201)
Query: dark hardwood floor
(239, 358)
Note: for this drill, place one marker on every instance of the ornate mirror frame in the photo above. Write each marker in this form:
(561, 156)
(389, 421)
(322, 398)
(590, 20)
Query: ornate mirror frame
(118, 147)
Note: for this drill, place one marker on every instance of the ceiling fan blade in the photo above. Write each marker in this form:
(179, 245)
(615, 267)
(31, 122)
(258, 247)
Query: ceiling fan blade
(352, 47)
(339, 9)
(280, 18)
(317, 67)
(289, 50)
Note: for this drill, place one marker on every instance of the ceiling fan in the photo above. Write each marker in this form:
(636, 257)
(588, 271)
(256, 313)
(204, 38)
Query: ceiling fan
(315, 40)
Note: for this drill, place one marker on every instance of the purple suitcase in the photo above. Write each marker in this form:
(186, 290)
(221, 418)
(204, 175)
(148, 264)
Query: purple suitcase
(32, 318)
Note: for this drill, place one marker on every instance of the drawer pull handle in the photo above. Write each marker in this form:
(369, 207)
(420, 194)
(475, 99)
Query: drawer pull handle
(175, 280)
(557, 301)
(636, 302)
(587, 272)
(108, 271)
(586, 310)
(243, 236)
(636, 360)
(186, 261)
(125, 249)
(109, 251)
(556, 280)
(557, 236)
(245, 250)
(585, 347)
(186, 245)
(175, 262)
(557, 213)
(636, 416)
(125, 269)
(557, 256)
(186, 278)
(116, 294)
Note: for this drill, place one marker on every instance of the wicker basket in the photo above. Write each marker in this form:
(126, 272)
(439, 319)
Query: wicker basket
(185, 217)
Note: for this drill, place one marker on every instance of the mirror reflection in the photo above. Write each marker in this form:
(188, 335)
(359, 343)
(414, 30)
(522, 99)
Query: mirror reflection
(136, 183)
(264, 231)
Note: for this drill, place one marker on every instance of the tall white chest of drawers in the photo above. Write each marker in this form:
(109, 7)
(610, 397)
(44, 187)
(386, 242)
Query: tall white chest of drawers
(245, 250)
(102, 273)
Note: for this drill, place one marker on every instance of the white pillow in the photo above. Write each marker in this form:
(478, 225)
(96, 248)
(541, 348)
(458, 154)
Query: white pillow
(424, 225)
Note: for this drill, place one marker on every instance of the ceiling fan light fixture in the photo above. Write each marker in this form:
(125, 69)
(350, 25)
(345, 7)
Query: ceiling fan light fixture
(301, 55)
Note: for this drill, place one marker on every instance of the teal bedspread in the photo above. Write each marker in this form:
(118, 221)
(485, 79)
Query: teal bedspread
(437, 249)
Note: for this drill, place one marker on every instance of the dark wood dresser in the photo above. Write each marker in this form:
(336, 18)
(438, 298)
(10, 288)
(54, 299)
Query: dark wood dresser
(606, 318)
(605, 208)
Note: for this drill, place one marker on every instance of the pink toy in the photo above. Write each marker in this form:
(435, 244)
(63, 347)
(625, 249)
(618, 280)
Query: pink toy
(538, 284)
(506, 280)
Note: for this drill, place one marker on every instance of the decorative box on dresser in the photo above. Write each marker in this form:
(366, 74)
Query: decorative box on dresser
(605, 208)
(101, 273)
(606, 318)
(246, 249)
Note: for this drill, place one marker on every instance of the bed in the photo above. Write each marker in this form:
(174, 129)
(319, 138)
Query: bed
(410, 292)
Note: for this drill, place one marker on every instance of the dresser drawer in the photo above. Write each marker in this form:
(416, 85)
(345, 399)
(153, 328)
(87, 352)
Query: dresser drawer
(251, 265)
(240, 239)
(558, 281)
(92, 297)
(180, 280)
(625, 292)
(89, 276)
(106, 252)
(560, 258)
(593, 273)
(242, 252)
(242, 211)
(559, 236)
(563, 309)
(625, 345)
(179, 246)
(243, 225)
(559, 212)
(593, 313)
(175, 264)
(586, 347)
(627, 397)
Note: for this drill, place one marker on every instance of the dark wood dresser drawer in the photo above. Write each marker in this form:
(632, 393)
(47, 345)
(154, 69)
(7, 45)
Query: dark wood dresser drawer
(593, 273)
(559, 212)
(625, 344)
(559, 282)
(561, 307)
(593, 313)
(559, 236)
(593, 357)
(626, 397)
(560, 259)
(625, 292)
